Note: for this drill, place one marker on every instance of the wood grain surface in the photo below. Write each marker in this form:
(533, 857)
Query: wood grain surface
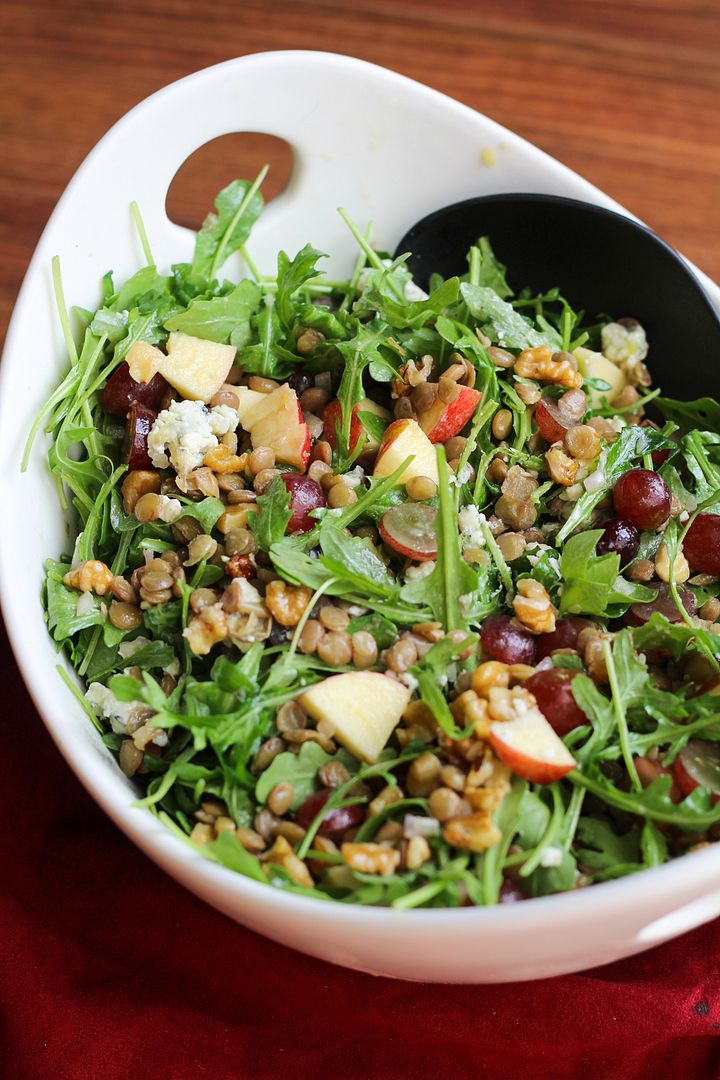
(627, 92)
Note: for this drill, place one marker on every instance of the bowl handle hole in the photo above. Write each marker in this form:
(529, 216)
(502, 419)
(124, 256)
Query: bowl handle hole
(214, 165)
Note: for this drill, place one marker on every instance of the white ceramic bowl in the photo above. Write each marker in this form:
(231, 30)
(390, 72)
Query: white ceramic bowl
(389, 150)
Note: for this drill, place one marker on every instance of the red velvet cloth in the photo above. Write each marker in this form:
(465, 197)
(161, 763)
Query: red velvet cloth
(109, 970)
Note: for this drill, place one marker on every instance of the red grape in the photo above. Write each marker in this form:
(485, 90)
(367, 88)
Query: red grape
(621, 538)
(409, 530)
(305, 495)
(638, 614)
(552, 689)
(121, 390)
(702, 544)
(643, 498)
(139, 421)
(504, 639)
(698, 765)
(510, 893)
(564, 636)
(335, 821)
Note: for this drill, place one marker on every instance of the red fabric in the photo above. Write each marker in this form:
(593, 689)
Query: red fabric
(109, 970)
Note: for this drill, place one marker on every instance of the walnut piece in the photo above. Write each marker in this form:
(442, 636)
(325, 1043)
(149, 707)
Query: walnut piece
(476, 832)
(562, 468)
(539, 364)
(91, 576)
(206, 629)
(371, 858)
(286, 602)
(533, 607)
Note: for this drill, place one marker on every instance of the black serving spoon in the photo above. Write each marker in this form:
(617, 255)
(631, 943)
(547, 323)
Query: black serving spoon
(601, 261)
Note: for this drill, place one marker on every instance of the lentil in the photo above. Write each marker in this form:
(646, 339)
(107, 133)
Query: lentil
(335, 648)
(421, 488)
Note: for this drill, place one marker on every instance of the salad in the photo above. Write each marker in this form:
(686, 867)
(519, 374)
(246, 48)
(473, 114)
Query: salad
(384, 596)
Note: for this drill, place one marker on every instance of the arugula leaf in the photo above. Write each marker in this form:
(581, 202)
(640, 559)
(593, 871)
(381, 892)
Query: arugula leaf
(268, 525)
(62, 603)
(452, 579)
(355, 559)
(486, 270)
(502, 323)
(676, 638)
(237, 208)
(588, 578)
(384, 631)
(228, 852)
(702, 413)
(220, 318)
(291, 276)
(110, 324)
(208, 512)
(299, 769)
(602, 848)
(694, 814)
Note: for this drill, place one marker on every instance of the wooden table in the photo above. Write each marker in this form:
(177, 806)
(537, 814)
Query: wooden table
(625, 91)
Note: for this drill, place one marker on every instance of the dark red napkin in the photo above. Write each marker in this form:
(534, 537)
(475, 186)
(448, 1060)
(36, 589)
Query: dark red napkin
(109, 970)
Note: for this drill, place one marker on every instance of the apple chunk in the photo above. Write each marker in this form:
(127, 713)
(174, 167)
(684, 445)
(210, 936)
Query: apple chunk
(529, 746)
(277, 422)
(444, 419)
(401, 439)
(362, 709)
(333, 415)
(194, 367)
(144, 361)
(593, 365)
(247, 399)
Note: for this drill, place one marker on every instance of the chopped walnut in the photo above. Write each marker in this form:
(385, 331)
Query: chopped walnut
(539, 364)
(221, 459)
(418, 852)
(410, 375)
(371, 858)
(562, 468)
(287, 602)
(206, 629)
(475, 832)
(199, 482)
(533, 606)
(91, 576)
(248, 617)
(281, 854)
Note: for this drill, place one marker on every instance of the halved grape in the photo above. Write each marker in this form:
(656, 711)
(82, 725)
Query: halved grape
(552, 421)
(335, 821)
(139, 421)
(643, 498)
(505, 639)
(510, 893)
(701, 545)
(552, 689)
(649, 769)
(409, 529)
(305, 495)
(619, 537)
(638, 614)
(564, 636)
(121, 391)
(698, 765)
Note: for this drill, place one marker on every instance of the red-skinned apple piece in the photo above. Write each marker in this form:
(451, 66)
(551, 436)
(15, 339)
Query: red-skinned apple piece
(529, 747)
(403, 439)
(444, 419)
